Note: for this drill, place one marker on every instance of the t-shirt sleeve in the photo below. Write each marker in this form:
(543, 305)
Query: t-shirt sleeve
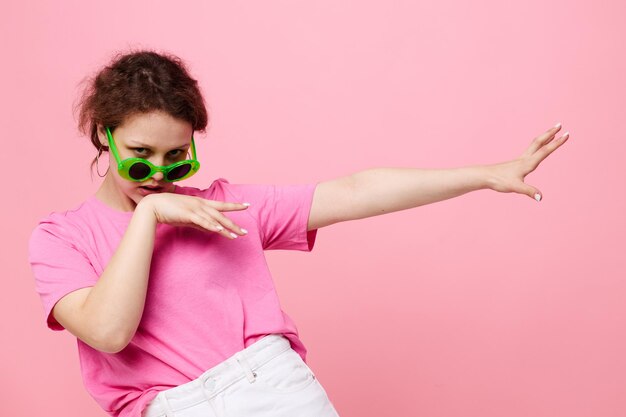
(281, 212)
(58, 265)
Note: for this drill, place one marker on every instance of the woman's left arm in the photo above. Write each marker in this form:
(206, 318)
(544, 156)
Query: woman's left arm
(384, 190)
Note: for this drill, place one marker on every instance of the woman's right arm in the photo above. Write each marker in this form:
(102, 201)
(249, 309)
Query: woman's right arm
(106, 316)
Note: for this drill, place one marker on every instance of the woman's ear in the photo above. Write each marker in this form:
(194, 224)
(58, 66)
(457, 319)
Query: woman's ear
(102, 136)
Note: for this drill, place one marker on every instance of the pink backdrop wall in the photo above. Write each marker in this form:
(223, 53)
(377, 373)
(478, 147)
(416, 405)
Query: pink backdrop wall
(485, 305)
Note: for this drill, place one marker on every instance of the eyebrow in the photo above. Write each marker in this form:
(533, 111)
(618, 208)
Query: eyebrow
(143, 145)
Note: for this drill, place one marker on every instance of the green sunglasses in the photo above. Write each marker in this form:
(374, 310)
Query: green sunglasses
(139, 169)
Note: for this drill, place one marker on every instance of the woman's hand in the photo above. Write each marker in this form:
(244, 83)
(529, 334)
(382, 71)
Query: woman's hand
(508, 177)
(196, 212)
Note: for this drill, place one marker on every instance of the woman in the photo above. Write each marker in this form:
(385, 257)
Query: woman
(170, 299)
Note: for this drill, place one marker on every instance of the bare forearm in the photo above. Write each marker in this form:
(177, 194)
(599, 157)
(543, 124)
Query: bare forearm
(384, 190)
(115, 304)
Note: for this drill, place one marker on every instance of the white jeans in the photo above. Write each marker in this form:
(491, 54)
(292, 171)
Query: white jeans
(266, 379)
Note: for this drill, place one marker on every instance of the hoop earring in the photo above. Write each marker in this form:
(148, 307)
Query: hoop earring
(98, 164)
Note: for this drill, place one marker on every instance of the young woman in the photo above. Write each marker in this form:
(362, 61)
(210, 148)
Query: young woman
(166, 287)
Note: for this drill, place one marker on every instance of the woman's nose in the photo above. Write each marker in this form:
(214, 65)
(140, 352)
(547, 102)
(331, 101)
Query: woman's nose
(158, 176)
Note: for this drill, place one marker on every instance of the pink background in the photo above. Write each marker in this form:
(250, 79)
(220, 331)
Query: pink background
(485, 305)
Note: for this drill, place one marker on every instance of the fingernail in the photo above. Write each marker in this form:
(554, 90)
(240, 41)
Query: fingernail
(244, 231)
(565, 134)
(246, 204)
(233, 235)
(219, 227)
(538, 197)
(558, 125)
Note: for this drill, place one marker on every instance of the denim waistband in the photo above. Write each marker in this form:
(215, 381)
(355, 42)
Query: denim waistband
(241, 365)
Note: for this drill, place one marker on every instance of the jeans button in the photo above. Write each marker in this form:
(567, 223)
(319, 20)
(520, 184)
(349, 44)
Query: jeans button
(209, 384)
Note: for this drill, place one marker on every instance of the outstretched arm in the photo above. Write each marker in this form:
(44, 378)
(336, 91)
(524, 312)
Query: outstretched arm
(384, 190)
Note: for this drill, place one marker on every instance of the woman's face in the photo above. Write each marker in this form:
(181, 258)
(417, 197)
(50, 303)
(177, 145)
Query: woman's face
(155, 136)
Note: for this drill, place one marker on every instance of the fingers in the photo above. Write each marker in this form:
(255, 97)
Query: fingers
(208, 223)
(535, 193)
(521, 187)
(550, 147)
(222, 224)
(204, 223)
(218, 222)
(543, 139)
(224, 206)
(196, 212)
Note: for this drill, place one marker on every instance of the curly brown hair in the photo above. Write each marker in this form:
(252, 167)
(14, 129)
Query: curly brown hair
(139, 82)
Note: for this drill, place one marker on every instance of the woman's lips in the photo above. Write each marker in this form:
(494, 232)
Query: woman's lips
(150, 190)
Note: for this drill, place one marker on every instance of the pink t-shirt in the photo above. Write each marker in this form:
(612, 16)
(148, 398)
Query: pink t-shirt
(208, 296)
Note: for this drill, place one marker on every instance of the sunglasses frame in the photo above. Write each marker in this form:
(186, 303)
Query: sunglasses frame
(123, 167)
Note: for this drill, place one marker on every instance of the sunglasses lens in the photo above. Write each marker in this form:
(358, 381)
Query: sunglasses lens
(138, 171)
(179, 172)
